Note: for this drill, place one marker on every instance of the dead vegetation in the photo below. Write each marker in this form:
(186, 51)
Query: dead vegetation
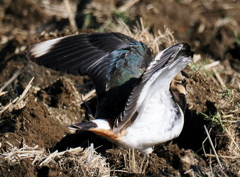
(74, 161)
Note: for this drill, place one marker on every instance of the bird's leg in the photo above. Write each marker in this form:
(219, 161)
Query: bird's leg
(146, 157)
(144, 163)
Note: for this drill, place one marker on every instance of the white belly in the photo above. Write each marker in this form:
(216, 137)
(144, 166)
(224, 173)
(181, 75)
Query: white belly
(159, 119)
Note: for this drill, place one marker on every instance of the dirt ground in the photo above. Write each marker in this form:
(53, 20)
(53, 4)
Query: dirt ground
(34, 138)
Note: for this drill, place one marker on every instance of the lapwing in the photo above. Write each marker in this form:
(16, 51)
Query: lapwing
(141, 99)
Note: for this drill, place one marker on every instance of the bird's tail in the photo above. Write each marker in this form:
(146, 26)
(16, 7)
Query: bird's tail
(84, 126)
(98, 126)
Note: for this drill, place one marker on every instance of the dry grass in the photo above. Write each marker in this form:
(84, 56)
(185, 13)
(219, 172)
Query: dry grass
(14, 155)
(61, 9)
(217, 71)
(156, 42)
(133, 166)
(74, 161)
(227, 115)
(79, 162)
(18, 102)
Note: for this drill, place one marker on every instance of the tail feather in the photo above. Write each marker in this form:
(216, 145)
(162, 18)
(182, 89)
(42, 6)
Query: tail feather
(84, 125)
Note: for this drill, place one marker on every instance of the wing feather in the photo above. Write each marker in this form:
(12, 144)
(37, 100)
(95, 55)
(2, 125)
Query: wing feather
(75, 54)
(109, 59)
(164, 59)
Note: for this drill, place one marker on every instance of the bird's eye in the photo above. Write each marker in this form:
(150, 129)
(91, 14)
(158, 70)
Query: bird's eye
(181, 82)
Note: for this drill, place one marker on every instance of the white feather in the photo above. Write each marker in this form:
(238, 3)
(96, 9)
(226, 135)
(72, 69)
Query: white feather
(40, 49)
(158, 117)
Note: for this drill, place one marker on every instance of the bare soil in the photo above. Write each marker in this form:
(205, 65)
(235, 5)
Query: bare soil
(39, 120)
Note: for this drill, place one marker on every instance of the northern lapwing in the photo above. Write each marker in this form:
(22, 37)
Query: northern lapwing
(141, 99)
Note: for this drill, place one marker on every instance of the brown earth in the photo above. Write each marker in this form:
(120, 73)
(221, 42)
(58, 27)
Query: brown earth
(55, 100)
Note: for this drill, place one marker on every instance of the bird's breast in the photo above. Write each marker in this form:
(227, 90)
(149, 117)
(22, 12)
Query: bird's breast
(159, 120)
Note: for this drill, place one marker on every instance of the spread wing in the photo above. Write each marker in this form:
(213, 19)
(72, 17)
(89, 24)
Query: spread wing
(127, 66)
(113, 61)
(175, 58)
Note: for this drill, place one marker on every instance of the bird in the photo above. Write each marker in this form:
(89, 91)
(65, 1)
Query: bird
(141, 98)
